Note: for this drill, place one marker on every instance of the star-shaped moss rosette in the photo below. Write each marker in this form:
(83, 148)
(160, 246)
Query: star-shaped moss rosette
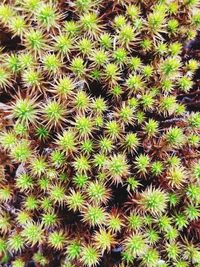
(99, 157)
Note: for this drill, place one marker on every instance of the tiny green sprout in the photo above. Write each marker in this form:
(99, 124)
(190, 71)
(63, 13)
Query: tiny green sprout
(111, 73)
(135, 83)
(167, 86)
(75, 200)
(81, 164)
(47, 16)
(142, 163)
(192, 212)
(64, 87)
(18, 25)
(114, 222)
(38, 165)
(15, 242)
(151, 128)
(5, 78)
(175, 49)
(117, 168)
(45, 202)
(195, 19)
(167, 105)
(24, 182)
(35, 40)
(33, 233)
(6, 13)
(174, 136)
(72, 28)
(99, 105)
(23, 217)
(164, 222)
(112, 129)
(98, 193)
(5, 223)
(105, 41)
(171, 234)
(18, 262)
(39, 258)
(181, 264)
(155, 21)
(51, 63)
(152, 236)
(82, 101)
(120, 56)
(6, 193)
(25, 110)
(134, 63)
(193, 140)
(193, 193)
(57, 193)
(53, 113)
(161, 49)
(20, 129)
(135, 244)
(192, 65)
(125, 114)
(147, 71)
(7, 139)
(157, 168)
(21, 151)
(126, 35)
(170, 66)
(94, 215)
(12, 63)
(194, 120)
(87, 147)
(73, 249)
(63, 44)
(84, 125)
(32, 78)
(185, 83)
(173, 250)
(57, 158)
(99, 160)
(78, 67)
(80, 180)
(67, 141)
(26, 60)
(150, 258)
(99, 121)
(116, 91)
(173, 199)
(176, 176)
(105, 145)
(153, 200)
(134, 222)
(90, 256)
(103, 240)
(30, 203)
(146, 45)
(56, 240)
(119, 21)
(132, 184)
(131, 142)
(173, 161)
(42, 133)
(49, 219)
(172, 26)
(196, 171)
(99, 58)
(85, 46)
(89, 23)
(30, 5)
(180, 220)
(148, 101)
(133, 11)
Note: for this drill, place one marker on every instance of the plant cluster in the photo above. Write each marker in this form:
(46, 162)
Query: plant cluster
(98, 155)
